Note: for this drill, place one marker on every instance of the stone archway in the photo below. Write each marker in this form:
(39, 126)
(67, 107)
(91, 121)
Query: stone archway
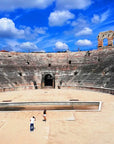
(48, 80)
(109, 35)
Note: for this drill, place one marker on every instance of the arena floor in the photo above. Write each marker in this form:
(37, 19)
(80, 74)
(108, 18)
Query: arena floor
(61, 127)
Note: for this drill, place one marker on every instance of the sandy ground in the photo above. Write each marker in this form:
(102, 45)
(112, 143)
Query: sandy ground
(61, 127)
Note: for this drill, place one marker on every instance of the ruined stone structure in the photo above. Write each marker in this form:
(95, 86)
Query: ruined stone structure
(105, 35)
(41, 70)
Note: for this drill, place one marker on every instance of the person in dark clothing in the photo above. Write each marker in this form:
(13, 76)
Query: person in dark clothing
(44, 115)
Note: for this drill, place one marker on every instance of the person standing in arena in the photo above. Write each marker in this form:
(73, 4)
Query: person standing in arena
(32, 123)
(44, 115)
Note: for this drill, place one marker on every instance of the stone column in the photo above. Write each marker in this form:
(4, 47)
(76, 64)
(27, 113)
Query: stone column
(42, 82)
(100, 43)
(53, 84)
(110, 41)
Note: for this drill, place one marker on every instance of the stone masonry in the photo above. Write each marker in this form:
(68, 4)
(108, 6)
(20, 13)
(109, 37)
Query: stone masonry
(40, 70)
(108, 35)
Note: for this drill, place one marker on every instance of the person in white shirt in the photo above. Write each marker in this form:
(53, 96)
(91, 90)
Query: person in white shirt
(32, 123)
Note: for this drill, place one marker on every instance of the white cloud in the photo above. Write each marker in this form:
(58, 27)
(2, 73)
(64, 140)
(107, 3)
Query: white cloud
(8, 29)
(25, 46)
(105, 15)
(7, 5)
(61, 46)
(84, 31)
(100, 18)
(78, 22)
(95, 19)
(84, 42)
(78, 25)
(73, 4)
(33, 33)
(28, 45)
(40, 30)
(14, 45)
(59, 18)
(11, 42)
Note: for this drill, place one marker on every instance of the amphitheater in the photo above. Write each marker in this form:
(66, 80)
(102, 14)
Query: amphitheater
(76, 88)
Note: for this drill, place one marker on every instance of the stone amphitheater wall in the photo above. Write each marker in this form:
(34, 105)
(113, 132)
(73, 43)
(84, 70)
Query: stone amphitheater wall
(55, 70)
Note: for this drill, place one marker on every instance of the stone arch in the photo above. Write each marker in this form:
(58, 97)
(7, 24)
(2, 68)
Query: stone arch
(105, 35)
(48, 80)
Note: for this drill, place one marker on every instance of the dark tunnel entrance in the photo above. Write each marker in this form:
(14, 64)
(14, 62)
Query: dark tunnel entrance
(48, 81)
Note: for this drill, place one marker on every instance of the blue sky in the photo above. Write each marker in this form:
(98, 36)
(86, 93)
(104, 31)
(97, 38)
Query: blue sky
(53, 25)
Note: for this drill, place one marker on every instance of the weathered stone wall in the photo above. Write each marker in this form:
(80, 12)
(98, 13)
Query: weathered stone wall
(109, 35)
(94, 68)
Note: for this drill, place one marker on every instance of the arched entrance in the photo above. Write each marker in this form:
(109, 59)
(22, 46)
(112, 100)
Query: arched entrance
(48, 80)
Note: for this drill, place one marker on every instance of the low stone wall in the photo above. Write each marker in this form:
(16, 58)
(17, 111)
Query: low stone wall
(28, 87)
(5, 89)
(99, 89)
